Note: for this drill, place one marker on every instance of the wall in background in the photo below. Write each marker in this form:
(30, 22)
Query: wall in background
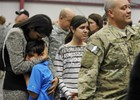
(8, 9)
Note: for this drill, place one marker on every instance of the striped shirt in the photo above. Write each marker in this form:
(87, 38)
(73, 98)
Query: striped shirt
(67, 63)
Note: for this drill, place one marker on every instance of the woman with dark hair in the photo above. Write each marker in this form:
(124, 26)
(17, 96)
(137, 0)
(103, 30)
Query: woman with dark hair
(95, 23)
(35, 28)
(67, 60)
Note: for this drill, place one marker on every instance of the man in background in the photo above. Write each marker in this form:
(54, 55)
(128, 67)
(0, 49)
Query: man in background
(60, 31)
(21, 15)
(57, 38)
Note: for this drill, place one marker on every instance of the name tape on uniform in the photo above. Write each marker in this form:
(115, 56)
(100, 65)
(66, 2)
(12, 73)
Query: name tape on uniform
(93, 48)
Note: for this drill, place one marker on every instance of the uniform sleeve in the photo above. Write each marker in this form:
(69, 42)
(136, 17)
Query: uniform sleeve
(35, 81)
(16, 45)
(51, 65)
(90, 65)
(52, 68)
(53, 44)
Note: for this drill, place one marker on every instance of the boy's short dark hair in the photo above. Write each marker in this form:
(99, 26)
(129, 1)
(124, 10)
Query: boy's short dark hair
(35, 46)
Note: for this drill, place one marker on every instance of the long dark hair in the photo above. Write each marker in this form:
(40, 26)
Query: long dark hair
(40, 23)
(75, 22)
(98, 19)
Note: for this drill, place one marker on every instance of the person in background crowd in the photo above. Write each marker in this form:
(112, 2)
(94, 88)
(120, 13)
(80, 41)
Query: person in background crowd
(2, 20)
(95, 23)
(60, 31)
(35, 28)
(107, 61)
(67, 60)
(41, 75)
(22, 15)
(105, 20)
(3, 31)
(55, 22)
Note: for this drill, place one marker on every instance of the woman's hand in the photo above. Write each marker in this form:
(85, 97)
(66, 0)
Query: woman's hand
(54, 85)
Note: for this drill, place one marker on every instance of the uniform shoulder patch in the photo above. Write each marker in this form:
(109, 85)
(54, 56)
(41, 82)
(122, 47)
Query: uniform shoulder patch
(93, 48)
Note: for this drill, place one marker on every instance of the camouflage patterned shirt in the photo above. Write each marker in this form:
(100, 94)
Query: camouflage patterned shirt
(106, 64)
(56, 39)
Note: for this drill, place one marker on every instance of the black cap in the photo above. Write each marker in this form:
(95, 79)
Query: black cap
(22, 11)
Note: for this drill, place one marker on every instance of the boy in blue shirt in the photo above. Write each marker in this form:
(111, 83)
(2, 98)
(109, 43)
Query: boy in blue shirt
(41, 75)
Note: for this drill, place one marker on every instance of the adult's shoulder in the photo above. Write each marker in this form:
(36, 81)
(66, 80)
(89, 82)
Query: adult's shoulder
(101, 35)
(15, 34)
(15, 31)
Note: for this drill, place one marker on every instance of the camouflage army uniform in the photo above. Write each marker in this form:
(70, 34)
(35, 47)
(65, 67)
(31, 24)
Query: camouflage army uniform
(56, 39)
(137, 26)
(106, 64)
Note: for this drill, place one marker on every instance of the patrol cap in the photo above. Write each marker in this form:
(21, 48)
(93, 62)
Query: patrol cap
(22, 11)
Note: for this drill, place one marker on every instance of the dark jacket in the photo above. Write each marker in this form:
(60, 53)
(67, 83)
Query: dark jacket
(134, 84)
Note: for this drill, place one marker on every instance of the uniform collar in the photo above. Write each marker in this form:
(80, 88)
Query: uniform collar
(59, 29)
(123, 33)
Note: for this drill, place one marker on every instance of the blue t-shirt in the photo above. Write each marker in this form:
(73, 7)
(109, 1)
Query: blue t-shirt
(40, 81)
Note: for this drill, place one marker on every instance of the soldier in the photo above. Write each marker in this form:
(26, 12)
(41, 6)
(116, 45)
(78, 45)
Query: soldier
(60, 30)
(22, 15)
(109, 55)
